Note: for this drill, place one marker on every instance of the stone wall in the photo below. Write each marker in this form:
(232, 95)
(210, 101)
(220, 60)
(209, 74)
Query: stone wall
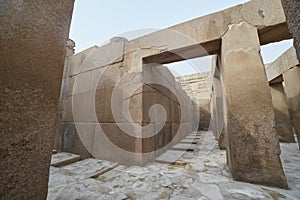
(197, 86)
(32, 52)
(282, 107)
(108, 88)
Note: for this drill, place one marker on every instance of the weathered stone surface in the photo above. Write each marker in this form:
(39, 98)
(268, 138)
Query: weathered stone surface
(253, 150)
(218, 104)
(283, 63)
(205, 177)
(64, 158)
(291, 9)
(266, 15)
(292, 90)
(88, 168)
(32, 52)
(282, 119)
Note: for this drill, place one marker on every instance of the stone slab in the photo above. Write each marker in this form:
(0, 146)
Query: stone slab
(64, 158)
(170, 156)
(184, 147)
(88, 168)
(190, 141)
(283, 63)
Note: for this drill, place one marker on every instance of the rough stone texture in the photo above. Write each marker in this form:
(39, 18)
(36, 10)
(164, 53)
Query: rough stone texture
(267, 15)
(218, 107)
(61, 159)
(282, 119)
(253, 151)
(32, 52)
(292, 13)
(203, 177)
(292, 90)
(93, 77)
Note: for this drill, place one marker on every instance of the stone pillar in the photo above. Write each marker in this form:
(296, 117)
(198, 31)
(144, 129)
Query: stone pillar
(32, 52)
(219, 108)
(282, 120)
(253, 151)
(291, 10)
(292, 90)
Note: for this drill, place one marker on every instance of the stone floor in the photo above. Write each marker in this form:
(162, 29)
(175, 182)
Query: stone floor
(199, 173)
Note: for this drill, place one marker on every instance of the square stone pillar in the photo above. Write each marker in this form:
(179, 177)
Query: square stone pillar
(32, 51)
(292, 90)
(283, 123)
(218, 109)
(253, 151)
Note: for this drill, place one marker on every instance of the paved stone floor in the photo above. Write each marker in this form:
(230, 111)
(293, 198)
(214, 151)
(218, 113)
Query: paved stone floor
(200, 173)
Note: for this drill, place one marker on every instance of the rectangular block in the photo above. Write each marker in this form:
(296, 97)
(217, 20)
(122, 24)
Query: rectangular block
(63, 158)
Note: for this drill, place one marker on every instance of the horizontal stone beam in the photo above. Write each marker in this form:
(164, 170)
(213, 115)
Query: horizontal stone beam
(266, 15)
(275, 69)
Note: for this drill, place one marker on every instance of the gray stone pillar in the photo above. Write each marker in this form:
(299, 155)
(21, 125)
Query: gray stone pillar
(291, 10)
(253, 151)
(292, 90)
(32, 52)
(283, 123)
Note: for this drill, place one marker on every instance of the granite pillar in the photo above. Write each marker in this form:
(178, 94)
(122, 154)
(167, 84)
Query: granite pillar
(292, 13)
(282, 120)
(32, 52)
(292, 90)
(253, 151)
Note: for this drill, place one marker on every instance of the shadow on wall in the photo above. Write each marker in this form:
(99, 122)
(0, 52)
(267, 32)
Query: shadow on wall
(205, 117)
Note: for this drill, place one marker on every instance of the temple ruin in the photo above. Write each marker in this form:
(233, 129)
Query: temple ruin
(120, 103)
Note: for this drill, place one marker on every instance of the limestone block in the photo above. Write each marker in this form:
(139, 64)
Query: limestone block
(112, 144)
(108, 76)
(73, 66)
(61, 159)
(150, 98)
(263, 13)
(83, 107)
(253, 150)
(105, 55)
(282, 119)
(67, 111)
(283, 63)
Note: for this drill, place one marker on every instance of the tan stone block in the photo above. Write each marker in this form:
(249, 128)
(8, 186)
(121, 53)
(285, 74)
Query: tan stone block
(253, 152)
(283, 63)
(104, 109)
(83, 107)
(67, 112)
(282, 119)
(110, 76)
(149, 100)
(263, 13)
(74, 62)
(292, 90)
(114, 145)
(82, 83)
(104, 55)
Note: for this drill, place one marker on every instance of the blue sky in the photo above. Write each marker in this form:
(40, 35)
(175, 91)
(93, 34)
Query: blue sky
(95, 22)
